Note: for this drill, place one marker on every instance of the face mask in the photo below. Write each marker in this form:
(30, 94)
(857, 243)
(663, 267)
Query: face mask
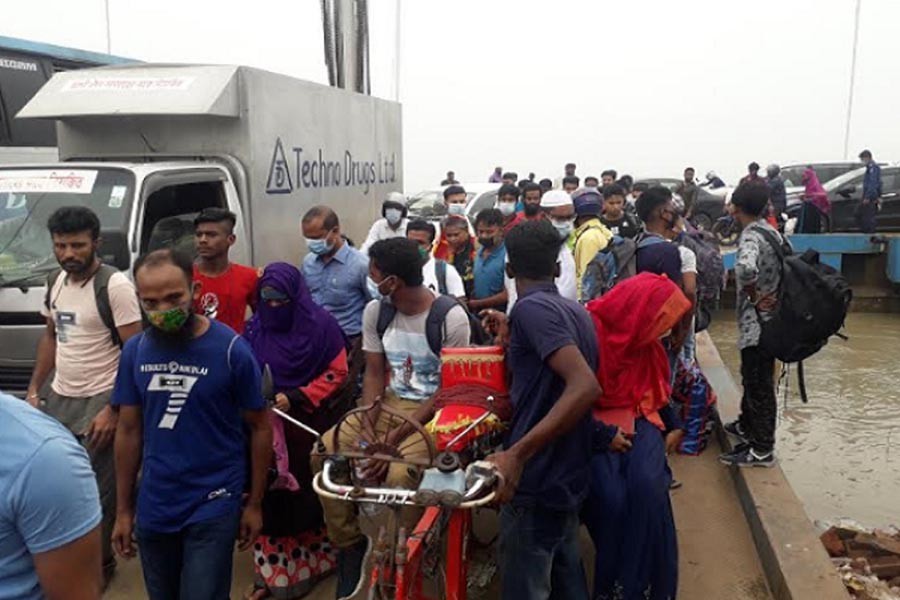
(487, 242)
(563, 228)
(507, 208)
(319, 247)
(456, 209)
(424, 252)
(375, 289)
(531, 210)
(169, 321)
(393, 215)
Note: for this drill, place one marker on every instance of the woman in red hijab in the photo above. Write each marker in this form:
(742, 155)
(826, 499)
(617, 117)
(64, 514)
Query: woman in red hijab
(815, 203)
(628, 512)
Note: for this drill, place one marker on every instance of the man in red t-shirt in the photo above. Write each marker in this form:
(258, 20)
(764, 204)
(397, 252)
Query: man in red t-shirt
(226, 288)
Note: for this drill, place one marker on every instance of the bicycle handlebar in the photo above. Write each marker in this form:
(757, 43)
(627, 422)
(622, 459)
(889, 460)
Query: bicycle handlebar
(482, 474)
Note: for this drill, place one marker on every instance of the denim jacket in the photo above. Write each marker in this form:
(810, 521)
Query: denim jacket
(872, 182)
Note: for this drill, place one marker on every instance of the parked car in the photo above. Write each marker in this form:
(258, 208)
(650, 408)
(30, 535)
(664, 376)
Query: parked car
(826, 171)
(845, 195)
(429, 204)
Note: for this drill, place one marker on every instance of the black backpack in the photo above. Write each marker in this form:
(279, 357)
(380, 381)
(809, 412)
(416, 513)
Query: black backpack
(101, 293)
(615, 263)
(434, 323)
(813, 300)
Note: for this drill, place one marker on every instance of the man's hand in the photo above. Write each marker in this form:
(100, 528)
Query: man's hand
(102, 429)
(496, 323)
(33, 398)
(766, 302)
(251, 526)
(282, 402)
(673, 440)
(620, 442)
(123, 535)
(509, 468)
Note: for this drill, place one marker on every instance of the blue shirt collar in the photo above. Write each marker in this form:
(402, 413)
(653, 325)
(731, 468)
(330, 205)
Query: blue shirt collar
(547, 286)
(341, 255)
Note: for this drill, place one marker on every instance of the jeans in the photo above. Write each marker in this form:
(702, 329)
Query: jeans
(759, 407)
(191, 564)
(539, 555)
(866, 214)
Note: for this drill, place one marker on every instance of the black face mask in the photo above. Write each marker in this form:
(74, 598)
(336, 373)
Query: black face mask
(531, 210)
(487, 242)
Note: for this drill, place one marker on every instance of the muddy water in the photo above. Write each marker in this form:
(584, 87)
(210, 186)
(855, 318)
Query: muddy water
(841, 452)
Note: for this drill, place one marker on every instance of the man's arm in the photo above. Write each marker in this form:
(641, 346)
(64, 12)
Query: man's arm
(72, 572)
(260, 459)
(580, 393)
(489, 302)
(45, 361)
(128, 449)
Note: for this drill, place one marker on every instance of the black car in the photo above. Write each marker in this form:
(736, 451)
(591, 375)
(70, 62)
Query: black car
(845, 195)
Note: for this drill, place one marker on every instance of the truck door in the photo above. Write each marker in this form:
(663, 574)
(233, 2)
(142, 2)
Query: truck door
(170, 200)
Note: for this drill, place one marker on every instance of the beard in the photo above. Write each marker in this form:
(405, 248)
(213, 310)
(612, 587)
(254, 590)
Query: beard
(531, 210)
(78, 267)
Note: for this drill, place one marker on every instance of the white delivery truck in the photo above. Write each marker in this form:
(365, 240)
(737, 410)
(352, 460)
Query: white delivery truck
(147, 147)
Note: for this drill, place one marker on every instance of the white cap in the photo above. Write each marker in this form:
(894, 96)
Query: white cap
(556, 198)
(396, 197)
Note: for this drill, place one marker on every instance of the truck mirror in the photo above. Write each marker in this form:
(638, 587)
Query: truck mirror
(114, 249)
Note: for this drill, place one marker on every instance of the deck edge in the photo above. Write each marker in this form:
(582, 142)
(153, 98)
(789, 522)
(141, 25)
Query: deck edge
(795, 564)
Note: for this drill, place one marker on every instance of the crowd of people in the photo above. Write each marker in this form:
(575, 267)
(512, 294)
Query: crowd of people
(160, 380)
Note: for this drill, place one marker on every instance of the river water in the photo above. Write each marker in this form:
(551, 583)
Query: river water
(841, 452)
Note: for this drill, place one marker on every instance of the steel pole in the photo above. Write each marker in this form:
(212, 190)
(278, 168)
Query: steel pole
(852, 81)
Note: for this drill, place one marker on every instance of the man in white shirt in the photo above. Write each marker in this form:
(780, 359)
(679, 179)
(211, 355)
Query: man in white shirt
(557, 207)
(392, 224)
(439, 276)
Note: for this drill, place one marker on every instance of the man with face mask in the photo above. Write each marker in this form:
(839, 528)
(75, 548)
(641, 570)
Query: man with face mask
(186, 391)
(392, 224)
(440, 276)
(403, 373)
(489, 291)
(507, 204)
(590, 235)
(555, 206)
(336, 275)
(84, 349)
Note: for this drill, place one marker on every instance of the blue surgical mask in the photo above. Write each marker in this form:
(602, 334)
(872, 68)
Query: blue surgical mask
(393, 215)
(563, 228)
(375, 289)
(507, 208)
(456, 209)
(319, 247)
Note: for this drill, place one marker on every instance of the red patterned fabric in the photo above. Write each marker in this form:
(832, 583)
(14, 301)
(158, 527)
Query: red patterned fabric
(289, 566)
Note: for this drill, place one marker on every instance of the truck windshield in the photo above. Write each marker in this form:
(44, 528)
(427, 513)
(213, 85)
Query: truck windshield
(29, 196)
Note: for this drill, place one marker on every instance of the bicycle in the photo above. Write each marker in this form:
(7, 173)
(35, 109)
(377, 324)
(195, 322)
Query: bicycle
(454, 480)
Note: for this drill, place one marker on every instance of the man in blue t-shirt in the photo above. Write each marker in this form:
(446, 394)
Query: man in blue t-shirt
(186, 388)
(553, 357)
(49, 509)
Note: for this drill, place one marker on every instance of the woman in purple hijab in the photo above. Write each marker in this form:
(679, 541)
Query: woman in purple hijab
(306, 350)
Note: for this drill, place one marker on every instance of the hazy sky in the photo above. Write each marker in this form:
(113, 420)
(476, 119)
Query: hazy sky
(643, 86)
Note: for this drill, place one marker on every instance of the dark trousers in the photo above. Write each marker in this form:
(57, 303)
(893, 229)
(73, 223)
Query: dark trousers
(539, 555)
(191, 564)
(865, 215)
(759, 408)
(76, 415)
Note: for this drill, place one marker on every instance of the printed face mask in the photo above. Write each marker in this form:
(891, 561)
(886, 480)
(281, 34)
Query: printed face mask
(170, 320)
(456, 209)
(393, 215)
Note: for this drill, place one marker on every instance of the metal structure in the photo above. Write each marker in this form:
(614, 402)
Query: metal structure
(346, 36)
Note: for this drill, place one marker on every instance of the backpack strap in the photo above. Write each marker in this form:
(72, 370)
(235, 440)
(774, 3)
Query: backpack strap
(52, 276)
(772, 239)
(386, 314)
(440, 271)
(436, 322)
(101, 293)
